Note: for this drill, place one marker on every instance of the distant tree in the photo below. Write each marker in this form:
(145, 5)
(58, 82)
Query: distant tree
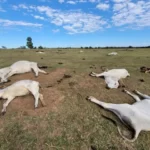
(34, 47)
(90, 47)
(130, 47)
(40, 47)
(4, 47)
(29, 42)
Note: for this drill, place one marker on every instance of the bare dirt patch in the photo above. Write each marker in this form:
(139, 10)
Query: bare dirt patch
(52, 96)
(91, 82)
(25, 105)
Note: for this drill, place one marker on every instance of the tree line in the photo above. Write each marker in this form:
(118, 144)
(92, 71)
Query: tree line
(29, 45)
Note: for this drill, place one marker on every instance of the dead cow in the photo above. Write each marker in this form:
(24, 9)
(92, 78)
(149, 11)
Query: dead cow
(135, 116)
(112, 53)
(112, 77)
(19, 67)
(3, 73)
(21, 88)
(40, 52)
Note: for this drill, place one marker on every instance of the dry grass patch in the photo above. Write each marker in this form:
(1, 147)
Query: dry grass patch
(70, 122)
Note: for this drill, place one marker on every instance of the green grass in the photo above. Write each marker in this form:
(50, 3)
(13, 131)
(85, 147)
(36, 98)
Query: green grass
(76, 124)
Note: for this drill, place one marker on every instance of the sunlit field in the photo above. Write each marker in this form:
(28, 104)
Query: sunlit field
(69, 121)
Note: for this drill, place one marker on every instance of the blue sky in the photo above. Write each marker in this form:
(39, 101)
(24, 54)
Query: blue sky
(75, 23)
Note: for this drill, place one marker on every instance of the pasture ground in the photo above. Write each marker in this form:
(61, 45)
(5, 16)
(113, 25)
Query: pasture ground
(69, 121)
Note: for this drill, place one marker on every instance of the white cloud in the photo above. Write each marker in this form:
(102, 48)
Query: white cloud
(14, 7)
(38, 17)
(47, 10)
(57, 21)
(72, 21)
(119, 6)
(71, 2)
(61, 1)
(77, 22)
(32, 7)
(78, 1)
(132, 15)
(55, 30)
(23, 6)
(102, 6)
(82, 1)
(124, 13)
(5, 22)
(118, 1)
(92, 1)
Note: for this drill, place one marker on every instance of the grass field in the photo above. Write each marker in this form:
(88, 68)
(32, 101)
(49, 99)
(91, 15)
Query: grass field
(70, 122)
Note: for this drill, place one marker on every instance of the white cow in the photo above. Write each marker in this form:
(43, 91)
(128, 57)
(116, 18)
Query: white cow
(21, 88)
(19, 67)
(41, 52)
(112, 53)
(3, 73)
(135, 116)
(112, 76)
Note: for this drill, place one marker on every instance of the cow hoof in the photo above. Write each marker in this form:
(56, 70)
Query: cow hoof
(87, 98)
(124, 90)
(3, 113)
(36, 107)
(90, 74)
(90, 98)
(135, 91)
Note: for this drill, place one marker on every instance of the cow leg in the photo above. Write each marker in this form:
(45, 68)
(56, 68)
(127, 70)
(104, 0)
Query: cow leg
(6, 104)
(142, 95)
(132, 95)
